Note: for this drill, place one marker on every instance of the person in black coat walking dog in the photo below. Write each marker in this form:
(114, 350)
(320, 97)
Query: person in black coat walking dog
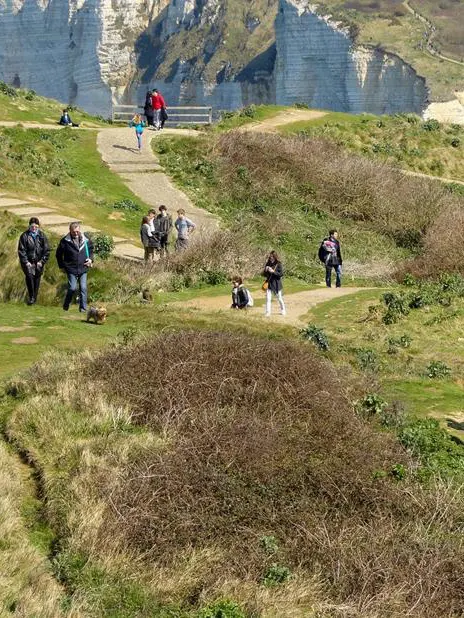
(33, 253)
(75, 256)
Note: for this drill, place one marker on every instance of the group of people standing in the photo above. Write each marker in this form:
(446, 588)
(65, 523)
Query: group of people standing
(156, 228)
(155, 114)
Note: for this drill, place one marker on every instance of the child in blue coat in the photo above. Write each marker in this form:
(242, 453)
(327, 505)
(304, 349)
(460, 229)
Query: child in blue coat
(138, 125)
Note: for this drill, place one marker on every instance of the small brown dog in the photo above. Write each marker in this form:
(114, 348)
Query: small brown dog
(98, 314)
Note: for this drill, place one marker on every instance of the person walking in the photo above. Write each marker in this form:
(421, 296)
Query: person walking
(184, 228)
(158, 103)
(273, 271)
(74, 255)
(163, 226)
(149, 240)
(331, 256)
(138, 125)
(148, 109)
(33, 253)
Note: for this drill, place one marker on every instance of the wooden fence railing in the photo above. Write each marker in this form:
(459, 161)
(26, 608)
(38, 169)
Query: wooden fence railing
(176, 115)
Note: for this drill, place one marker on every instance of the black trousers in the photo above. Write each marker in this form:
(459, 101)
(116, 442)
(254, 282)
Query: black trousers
(33, 276)
(164, 238)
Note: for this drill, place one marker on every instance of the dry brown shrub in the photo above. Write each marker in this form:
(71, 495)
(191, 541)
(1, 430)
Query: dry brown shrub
(341, 183)
(260, 439)
(443, 249)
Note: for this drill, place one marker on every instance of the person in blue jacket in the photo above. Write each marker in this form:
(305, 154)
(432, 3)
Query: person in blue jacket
(139, 126)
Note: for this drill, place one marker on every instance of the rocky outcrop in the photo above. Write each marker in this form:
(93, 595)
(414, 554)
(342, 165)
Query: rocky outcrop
(93, 52)
(317, 63)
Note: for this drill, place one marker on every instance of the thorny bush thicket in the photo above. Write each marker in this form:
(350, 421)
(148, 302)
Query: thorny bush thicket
(255, 445)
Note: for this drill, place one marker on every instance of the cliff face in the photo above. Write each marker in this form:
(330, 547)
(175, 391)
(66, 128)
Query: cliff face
(216, 52)
(77, 51)
(317, 63)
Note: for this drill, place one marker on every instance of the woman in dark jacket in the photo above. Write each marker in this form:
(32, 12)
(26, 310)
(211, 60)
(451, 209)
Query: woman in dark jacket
(33, 253)
(148, 109)
(273, 271)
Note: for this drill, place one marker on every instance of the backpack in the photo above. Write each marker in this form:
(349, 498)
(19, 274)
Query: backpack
(327, 250)
(250, 302)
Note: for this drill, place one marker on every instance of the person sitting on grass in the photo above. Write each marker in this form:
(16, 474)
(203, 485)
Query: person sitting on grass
(241, 298)
(66, 121)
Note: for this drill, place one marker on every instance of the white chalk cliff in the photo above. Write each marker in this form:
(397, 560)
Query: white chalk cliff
(93, 52)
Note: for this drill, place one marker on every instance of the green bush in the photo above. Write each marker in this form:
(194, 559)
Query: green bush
(438, 369)
(127, 204)
(431, 125)
(371, 405)
(103, 244)
(367, 360)
(276, 574)
(8, 90)
(269, 544)
(404, 341)
(222, 609)
(30, 95)
(316, 335)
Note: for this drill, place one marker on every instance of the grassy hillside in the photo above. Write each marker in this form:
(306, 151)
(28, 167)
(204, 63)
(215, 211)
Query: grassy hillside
(275, 496)
(403, 140)
(19, 105)
(64, 170)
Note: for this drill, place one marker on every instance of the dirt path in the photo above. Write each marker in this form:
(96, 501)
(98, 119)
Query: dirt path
(42, 125)
(142, 173)
(297, 304)
(271, 125)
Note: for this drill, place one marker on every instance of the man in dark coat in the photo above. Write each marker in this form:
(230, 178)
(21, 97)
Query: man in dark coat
(331, 256)
(75, 256)
(33, 253)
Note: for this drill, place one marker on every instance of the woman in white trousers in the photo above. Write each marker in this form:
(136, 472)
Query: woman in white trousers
(273, 271)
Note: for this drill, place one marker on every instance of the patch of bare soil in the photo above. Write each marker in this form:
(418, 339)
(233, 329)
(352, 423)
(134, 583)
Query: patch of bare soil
(12, 329)
(25, 340)
(271, 125)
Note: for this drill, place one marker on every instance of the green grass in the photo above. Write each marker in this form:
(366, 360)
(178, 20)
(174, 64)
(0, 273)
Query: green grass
(402, 376)
(63, 170)
(247, 115)
(39, 109)
(402, 140)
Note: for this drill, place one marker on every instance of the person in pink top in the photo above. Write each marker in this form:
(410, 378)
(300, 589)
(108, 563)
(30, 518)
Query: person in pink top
(158, 104)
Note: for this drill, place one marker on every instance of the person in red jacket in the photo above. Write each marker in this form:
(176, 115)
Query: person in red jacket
(158, 104)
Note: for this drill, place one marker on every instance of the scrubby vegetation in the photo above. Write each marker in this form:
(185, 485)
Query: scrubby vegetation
(295, 504)
(289, 191)
(404, 140)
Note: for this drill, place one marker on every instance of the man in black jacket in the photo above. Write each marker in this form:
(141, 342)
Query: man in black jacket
(33, 253)
(163, 226)
(75, 256)
(331, 256)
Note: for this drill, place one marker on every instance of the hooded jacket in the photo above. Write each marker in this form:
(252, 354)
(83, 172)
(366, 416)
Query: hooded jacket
(32, 248)
(72, 258)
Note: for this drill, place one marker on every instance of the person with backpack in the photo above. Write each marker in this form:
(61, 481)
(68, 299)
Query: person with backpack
(330, 255)
(163, 226)
(273, 271)
(241, 297)
(158, 104)
(75, 256)
(148, 109)
(33, 253)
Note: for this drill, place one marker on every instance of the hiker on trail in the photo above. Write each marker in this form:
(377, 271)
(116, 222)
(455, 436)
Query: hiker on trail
(149, 240)
(66, 121)
(331, 256)
(184, 228)
(158, 104)
(33, 253)
(163, 226)
(75, 256)
(148, 109)
(273, 271)
(241, 297)
(138, 125)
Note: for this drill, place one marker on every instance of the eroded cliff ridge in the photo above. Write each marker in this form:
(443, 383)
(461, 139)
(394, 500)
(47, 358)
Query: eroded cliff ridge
(226, 53)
